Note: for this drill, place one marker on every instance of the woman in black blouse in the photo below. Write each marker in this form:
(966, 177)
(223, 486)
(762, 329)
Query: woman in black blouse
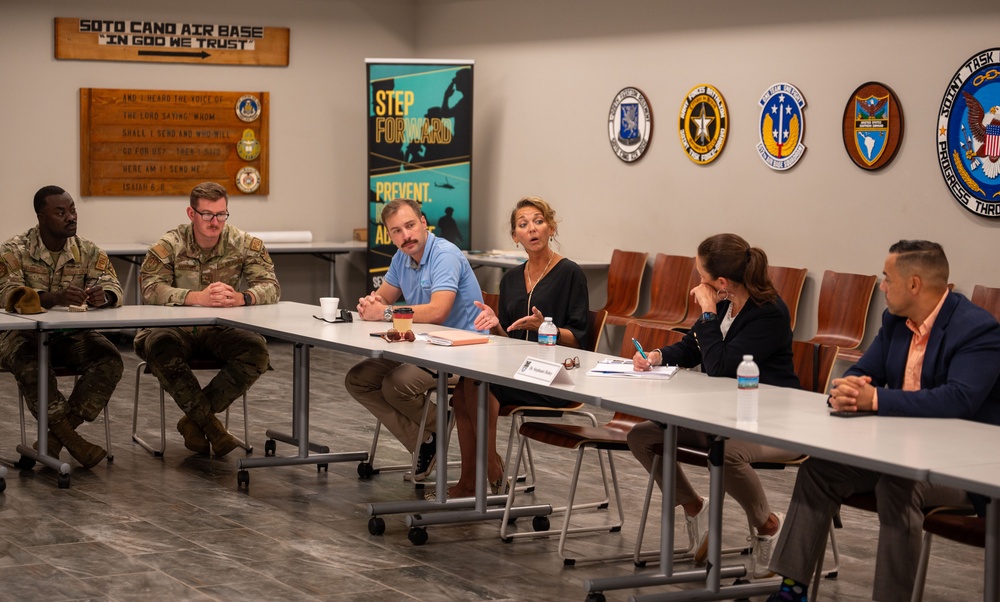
(546, 285)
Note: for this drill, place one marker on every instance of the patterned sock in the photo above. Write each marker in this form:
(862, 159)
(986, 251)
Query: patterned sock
(791, 591)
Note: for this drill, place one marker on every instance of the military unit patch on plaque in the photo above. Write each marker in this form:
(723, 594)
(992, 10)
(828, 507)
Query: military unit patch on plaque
(248, 180)
(782, 126)
(704, 123)
(968, 134)
(873, 126)
(248, 148)
(630, 124)
(248, 108)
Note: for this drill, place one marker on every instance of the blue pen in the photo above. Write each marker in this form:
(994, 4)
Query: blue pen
(639, 349)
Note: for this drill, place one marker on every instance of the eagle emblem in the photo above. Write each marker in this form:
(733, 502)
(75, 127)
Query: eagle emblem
(985, 131)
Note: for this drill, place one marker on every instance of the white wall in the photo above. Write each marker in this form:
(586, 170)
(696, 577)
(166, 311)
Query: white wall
(546, 73)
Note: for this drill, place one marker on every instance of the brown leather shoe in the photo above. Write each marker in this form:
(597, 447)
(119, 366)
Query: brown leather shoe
(194, 437)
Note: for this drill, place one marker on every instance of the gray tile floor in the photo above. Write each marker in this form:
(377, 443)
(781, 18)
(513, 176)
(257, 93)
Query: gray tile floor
(177, 528)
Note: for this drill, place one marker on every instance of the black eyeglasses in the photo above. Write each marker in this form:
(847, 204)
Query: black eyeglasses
(394, 336)
(571, 362)
(208, 215)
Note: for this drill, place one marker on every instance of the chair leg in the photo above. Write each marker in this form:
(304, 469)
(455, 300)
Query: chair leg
(921, 578)
(20, 409)
(135, 417)
(246, 427)
(107, 434)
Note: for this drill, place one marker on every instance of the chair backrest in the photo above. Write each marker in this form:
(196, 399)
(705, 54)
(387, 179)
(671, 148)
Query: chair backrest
(595, 327)
(668, 292)
(804, 358)
(843, 308)
(788, 282)
(693, 311)
(987, 298)
(624, 282)
(492, 300)
(650, 336)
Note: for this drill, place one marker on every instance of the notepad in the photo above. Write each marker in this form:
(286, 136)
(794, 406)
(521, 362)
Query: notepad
(623, 369)
(456, 338)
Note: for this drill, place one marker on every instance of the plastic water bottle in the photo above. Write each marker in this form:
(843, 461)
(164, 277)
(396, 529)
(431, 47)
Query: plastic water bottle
(548, 334)
(747, 379)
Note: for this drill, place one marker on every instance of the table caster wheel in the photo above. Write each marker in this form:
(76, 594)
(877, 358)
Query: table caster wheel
(243, 479)
(63, 480)
(270, 446)
(540, 523)
(376, 525)
(596, 597)
(324, 467)
(417, 536)
(365, 470)
(25, 463)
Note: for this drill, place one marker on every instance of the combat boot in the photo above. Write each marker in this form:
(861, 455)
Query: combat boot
(222, 442)
(194, 437)
(86, 453)
(54, 447)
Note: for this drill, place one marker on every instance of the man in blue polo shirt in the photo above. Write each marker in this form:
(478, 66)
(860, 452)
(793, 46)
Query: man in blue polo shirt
(436, 280)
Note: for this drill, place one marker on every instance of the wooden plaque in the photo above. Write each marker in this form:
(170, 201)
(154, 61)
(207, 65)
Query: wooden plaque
(171, 42)
(164, 142)
(873, 126)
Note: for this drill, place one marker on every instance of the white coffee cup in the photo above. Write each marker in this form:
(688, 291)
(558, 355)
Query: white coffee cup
(329, 306)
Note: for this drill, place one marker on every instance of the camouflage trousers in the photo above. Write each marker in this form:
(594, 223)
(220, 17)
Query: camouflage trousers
(167, 351)
(94, 357)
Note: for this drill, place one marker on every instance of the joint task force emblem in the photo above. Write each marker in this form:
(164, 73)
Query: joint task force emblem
(968, 134)
(630, 124)
(248, 148)
(873, 126)
(782, 126)
(248, 108)
(704, 123)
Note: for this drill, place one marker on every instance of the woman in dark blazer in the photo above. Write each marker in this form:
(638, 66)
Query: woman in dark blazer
(741, 315)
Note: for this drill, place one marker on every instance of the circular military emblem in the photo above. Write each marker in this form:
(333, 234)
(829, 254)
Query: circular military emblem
(630, 124)
(968, 134)
(873, 126)
(248, 148)
(248, 180)
(782, 126)
(704, 123)
(248, 108)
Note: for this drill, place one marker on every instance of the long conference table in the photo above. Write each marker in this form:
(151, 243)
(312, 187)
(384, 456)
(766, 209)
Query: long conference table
(953, 452)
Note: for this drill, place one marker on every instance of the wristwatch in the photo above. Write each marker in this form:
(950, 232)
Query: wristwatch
(247, 298)
(387, 315)
(709, 316)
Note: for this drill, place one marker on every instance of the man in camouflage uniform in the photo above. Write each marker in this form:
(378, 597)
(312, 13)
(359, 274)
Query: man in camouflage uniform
(65, 270)
(204, 263)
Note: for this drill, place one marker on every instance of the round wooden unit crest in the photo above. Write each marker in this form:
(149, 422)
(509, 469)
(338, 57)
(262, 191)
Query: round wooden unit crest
(630, 124)
(873, 126)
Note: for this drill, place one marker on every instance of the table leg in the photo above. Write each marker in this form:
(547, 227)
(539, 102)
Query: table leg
(40, 454)
(300, 425)
(991, 585)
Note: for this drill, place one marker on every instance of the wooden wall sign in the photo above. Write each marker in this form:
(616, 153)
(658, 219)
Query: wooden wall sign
(164, 142)
(171, 42)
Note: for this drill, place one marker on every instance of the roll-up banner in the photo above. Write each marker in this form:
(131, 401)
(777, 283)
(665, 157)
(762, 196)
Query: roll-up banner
(420, 148)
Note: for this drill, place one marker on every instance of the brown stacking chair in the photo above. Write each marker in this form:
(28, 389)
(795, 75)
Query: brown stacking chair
(517, 414)
(624, 282)
(668, 291)
(607, 438)
(969, 530)
(788, 282)
(843, 311)
(987, 298)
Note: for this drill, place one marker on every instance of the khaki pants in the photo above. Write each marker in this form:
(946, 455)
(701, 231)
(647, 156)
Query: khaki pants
(741, 480)
(394, 393)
